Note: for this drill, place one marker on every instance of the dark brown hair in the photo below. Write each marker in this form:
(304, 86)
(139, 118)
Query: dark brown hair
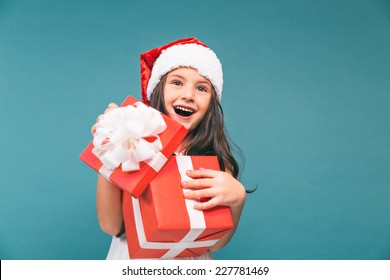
(209, 137)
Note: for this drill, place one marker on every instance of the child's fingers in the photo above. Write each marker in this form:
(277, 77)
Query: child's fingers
(96, 125)
(93, 128)
(202, 173)
(110, 107)
(197, 183)
(198, 194)
(99, 118)
(207, 204)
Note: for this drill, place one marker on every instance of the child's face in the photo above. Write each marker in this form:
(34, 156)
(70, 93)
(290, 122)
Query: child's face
(187, 96)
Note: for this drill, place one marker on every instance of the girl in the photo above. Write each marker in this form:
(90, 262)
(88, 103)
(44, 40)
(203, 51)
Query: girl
(183, 80)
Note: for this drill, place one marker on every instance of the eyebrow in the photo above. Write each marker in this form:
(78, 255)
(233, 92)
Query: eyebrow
(182, 77)
(176, 75)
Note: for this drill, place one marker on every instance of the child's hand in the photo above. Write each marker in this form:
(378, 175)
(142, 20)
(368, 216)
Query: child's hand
(96, 125)
(221, 187)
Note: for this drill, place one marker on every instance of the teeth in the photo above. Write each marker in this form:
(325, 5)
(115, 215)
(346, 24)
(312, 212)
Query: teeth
(184, 109)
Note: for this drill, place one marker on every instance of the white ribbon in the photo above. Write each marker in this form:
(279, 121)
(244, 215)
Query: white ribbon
(119, 139)
(197, 222)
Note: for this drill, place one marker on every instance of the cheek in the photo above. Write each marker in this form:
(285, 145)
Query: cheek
(167, 102)
(167, 97)
(205, 103)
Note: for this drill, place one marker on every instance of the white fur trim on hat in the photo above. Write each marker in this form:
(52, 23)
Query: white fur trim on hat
(189, 55)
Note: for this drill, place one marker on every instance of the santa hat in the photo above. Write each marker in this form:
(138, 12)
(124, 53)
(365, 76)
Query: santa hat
(189, 52)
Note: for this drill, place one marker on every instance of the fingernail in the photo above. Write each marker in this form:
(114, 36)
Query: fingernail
(184, 183)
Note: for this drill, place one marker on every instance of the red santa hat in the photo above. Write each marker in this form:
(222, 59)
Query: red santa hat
(189, 52)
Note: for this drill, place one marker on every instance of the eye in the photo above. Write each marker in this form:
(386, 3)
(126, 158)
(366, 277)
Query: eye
(202, 88)
(176, 83)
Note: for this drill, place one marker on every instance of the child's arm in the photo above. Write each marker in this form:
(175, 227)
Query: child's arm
(108, 197)
(109, 206)
(223, 189)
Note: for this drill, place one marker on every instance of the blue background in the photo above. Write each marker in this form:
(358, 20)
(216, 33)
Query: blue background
(306, 97)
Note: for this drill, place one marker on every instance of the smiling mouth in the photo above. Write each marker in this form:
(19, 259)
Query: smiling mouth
(183, 111)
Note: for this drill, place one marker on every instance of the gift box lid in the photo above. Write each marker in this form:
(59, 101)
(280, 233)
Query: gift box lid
(135, 182)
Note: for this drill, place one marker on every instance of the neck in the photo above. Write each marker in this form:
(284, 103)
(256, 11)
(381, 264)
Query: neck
(180, 148)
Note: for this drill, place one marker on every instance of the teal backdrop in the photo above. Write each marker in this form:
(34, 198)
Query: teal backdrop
(306, 97)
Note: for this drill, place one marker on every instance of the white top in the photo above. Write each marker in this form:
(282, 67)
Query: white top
(119, 251)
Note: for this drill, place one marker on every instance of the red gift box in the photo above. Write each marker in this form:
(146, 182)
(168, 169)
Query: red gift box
(162, 224)
(136, 181)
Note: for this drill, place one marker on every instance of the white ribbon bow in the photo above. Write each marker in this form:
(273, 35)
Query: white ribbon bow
(119, 139)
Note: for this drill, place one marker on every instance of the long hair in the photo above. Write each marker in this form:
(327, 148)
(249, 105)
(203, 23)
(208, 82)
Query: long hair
(209, 137)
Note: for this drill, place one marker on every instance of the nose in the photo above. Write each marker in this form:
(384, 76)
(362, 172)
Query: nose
(188, 93)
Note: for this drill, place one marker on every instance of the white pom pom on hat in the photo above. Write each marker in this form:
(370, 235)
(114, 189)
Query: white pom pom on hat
(189, 52)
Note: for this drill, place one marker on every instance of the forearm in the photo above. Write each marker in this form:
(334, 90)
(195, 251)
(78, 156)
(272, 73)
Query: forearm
(109, 206)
